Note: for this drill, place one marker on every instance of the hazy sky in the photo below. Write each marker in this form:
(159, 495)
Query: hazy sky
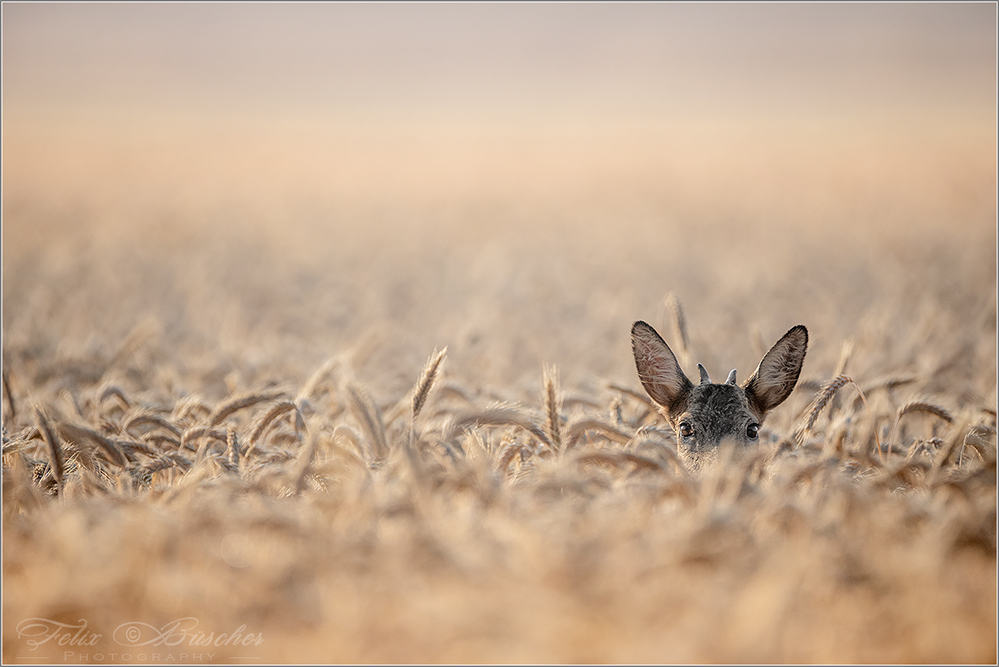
(497, 58)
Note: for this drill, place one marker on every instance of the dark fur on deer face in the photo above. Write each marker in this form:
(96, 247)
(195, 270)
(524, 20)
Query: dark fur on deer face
(706, 414)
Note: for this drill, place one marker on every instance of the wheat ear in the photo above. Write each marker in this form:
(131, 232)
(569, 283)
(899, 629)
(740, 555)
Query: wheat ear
(8, 418)
(613, 434)
(74, 432)
(507, 455)
(917, 406)
(370, 419)
(426, 381)
(497, 416)
(268, 417)
(553, 407)
(142, 416)
(310, 386)
(823, 398)
(52, 441)
(305, 458)
(678, 322)
(107, 391)
(239, 402)
(232, 445)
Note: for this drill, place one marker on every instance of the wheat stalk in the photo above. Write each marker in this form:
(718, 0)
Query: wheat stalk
(200, 431)
(8, 418)
(497, 416)
(239, 402)
(261, 424)
(52, 441)
(553, 407)
(232, 448)
(426, 381)
(917, 406)
(506, 456)
(129, 447)
(846, 353)
(189, 405)
(310, 386)
(618, 459)
(142, 417)
(638, 396)
(370, 419)
(342, 431)
(589, 424)
(74, 432)
(305, 458)
(924, 406)
(678, 322)
(107, 391)
(822, 399)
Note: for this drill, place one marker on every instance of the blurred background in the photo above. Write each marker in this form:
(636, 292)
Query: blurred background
(264, 185)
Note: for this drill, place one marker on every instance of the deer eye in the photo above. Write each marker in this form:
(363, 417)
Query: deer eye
(753, 431)
(686, 430)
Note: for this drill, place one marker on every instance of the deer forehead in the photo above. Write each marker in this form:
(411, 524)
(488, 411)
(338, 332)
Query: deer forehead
(718, 408)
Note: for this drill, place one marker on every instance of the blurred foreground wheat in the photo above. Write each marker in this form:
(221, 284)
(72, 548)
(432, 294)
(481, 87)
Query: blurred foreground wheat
(444, 527)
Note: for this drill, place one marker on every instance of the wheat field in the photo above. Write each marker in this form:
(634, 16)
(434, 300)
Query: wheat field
(309, 383)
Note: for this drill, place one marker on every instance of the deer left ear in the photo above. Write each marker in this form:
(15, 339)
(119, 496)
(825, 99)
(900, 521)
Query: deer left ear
(778, 372)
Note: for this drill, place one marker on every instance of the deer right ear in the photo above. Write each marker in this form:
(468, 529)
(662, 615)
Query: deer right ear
(777, 374)
(657, 367)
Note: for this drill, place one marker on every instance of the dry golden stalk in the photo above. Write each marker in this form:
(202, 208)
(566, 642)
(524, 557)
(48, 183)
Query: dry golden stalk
(924, 406)
(232, 447)
(178, 460)
(74, 432)
(619, 459)
(8, 417)
(553, 407)
(136, 338)
(342, 431)
(113, 390)
(305, 457)
(844, 358)
(196, 432)
(239, 402)
(189, 405)
(159, 438)
(920, 445)
(310, 387)
(267, 418)
(958, 433)
(142, 417)
(497, 416)
(506, 456)
(678, 323)
(611, 433)
(890, 382)
(453, 390)
(641, 397)
(979, 438)
(916, 406)
(646, 441)
(823, 398)
(426, 381)
(810, 384)
(129, 447)
(52, 441)
(370, 418)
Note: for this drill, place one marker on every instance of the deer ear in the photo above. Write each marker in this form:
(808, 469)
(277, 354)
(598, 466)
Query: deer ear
(657, 367)
(778, 372)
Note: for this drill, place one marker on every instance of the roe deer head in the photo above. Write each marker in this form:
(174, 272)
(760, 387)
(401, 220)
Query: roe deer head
(704, 415)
